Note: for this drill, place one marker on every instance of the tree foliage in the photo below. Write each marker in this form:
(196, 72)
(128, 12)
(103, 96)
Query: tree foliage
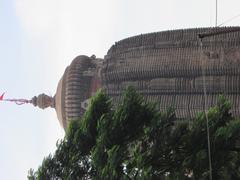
(135, 141)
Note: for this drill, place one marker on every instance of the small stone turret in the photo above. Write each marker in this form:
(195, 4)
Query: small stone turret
(43, 101)
(79, 82)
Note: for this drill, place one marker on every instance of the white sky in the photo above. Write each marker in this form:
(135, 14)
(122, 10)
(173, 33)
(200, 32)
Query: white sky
(39, 38)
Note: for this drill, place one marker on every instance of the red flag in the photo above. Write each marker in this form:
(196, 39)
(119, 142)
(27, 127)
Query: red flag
(1, 97)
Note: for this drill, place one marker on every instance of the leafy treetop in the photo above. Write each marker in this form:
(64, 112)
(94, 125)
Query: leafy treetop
(135, 141)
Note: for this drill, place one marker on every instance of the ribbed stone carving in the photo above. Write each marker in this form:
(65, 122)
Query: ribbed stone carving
(75, 88)
(165, 67)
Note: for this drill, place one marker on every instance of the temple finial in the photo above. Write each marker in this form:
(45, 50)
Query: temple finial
(43, 101)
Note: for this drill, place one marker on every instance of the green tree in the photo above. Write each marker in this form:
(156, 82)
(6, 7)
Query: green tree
(135, 141)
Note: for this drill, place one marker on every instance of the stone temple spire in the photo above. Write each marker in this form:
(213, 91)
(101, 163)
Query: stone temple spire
(43, 101)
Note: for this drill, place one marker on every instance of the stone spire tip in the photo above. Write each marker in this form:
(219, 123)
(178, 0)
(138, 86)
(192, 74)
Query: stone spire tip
(43, 101)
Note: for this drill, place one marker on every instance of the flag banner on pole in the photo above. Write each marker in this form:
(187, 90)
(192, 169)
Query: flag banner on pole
(1, 97)
(17, 101)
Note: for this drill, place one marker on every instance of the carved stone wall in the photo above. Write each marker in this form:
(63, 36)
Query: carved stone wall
(166, 67)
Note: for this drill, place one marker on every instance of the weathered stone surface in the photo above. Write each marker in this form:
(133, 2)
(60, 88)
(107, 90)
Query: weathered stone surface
(166, 67)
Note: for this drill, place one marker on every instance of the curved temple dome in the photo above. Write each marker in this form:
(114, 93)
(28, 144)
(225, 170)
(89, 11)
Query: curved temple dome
(165, 67)
(78, 83)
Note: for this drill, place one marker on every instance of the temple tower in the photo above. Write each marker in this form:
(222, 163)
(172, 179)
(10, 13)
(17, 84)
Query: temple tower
(164, 67)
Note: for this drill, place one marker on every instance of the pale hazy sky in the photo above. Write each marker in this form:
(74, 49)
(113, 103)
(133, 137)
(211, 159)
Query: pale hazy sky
(39, 38)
